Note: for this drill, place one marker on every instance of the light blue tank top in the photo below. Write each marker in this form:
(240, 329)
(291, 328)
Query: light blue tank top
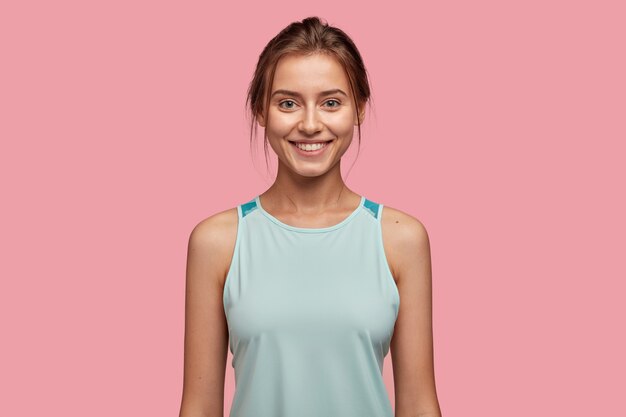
(311, 313)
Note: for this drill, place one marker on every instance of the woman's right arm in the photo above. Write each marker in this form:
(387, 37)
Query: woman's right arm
(209, 254)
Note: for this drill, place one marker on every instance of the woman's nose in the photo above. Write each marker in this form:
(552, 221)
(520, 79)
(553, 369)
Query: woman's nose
(310, 122)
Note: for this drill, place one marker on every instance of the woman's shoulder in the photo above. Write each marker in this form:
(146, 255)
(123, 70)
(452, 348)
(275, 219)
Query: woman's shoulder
(215, 237)
(217, 226)
(404, 235)
(402, 224)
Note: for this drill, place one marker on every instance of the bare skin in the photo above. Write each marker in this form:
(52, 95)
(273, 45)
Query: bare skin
(308, 192)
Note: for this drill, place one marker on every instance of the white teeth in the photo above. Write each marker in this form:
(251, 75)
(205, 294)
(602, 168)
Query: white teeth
(311, 147)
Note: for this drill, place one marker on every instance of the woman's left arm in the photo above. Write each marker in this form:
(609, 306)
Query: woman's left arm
(412, 342)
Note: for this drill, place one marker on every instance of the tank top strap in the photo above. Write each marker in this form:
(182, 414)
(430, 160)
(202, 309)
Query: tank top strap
(247, 207)
(373, 208)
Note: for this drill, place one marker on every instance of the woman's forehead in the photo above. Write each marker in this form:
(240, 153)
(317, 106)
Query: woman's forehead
(307, 73)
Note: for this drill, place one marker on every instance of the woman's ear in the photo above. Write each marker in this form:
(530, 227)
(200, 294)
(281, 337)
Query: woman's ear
(361, 115)
(260, 119)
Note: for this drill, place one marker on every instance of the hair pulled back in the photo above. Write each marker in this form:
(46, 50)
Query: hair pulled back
(310, 36)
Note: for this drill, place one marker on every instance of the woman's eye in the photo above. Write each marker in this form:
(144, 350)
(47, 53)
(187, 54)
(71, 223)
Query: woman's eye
(333, 101)
(286, 101)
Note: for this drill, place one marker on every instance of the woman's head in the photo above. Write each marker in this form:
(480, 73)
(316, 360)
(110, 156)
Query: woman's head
(301, 45)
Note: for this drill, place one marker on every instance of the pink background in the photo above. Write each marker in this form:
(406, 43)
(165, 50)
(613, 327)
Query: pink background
(500, 125)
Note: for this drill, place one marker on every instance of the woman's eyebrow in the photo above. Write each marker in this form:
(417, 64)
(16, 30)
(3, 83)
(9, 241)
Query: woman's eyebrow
(296, 94)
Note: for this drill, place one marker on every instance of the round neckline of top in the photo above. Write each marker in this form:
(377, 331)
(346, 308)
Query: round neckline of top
(310, 229)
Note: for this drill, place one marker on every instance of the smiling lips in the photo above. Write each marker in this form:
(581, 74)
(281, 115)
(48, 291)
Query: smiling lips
(310, 148)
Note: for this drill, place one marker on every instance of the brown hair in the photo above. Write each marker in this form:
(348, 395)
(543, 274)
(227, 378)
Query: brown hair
(307, 37)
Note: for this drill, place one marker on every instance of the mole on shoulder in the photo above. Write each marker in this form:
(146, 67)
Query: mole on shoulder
(397, 221)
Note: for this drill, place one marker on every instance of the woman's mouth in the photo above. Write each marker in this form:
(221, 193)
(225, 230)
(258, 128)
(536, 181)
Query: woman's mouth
(310, 149)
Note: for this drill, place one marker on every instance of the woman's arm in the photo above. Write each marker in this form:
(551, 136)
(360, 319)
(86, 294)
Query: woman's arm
(412, 343)
(206, 331)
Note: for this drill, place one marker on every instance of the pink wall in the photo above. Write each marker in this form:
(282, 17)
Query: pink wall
(500, 126)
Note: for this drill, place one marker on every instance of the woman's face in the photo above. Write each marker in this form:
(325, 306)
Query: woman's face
(310, 103)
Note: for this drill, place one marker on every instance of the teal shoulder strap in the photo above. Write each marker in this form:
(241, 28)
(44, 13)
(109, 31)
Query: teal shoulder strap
(371, 207)
(248, 207)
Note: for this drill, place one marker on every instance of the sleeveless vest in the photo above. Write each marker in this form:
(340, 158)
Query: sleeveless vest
(311, 313)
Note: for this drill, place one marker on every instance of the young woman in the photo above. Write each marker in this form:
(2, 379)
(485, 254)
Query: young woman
(313, 282)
